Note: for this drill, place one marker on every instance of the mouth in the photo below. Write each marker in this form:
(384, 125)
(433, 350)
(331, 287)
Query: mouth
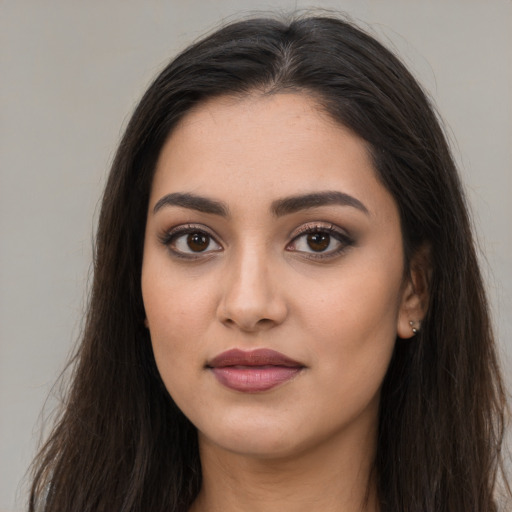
(253, 371)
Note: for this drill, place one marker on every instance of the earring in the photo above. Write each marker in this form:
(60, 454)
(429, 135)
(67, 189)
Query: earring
(414, 330)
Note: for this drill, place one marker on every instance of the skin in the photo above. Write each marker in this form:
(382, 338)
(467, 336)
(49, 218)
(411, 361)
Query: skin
(308, 443)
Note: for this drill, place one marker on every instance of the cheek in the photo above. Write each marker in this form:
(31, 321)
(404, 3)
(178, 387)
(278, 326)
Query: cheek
(353, 307)
(175, 348)
(176, 313)
(352, 323)
(179, 317)
(174, 302)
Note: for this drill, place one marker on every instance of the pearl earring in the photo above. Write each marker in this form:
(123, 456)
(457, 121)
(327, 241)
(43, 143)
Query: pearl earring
(414, 330)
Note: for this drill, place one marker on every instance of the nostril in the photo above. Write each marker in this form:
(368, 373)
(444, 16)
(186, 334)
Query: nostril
(248, 324)
(265, 322)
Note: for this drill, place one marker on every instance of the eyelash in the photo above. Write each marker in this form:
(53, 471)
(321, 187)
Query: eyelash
(344, 240)
(169, 238)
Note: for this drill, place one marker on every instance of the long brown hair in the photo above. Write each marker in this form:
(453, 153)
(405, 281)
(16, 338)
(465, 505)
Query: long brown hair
(121, 444)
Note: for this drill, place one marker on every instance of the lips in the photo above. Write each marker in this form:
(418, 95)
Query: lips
(253, 371)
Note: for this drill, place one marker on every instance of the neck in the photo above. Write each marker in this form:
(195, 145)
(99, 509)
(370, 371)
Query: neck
(328, 478)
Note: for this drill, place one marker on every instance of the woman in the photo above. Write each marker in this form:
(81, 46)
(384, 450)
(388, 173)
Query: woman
(287, 311)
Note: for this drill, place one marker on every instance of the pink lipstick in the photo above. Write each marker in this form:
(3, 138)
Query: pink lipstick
(253, 371)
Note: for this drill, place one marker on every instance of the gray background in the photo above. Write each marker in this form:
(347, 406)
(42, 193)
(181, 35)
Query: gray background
(70, 74)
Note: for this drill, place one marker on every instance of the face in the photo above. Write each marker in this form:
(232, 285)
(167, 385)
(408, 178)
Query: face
(272, 276)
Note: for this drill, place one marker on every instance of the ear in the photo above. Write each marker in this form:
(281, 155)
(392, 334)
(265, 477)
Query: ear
(415, 294)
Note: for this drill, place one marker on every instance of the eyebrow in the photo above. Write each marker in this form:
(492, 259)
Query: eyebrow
(193, 202)
(279, 208)
(314, 200)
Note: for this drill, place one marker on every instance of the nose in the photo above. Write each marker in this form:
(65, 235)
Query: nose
(252, 298)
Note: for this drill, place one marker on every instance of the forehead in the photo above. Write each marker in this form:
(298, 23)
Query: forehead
(261, 147)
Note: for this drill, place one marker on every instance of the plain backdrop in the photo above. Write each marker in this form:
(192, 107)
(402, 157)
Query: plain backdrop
(70, 75)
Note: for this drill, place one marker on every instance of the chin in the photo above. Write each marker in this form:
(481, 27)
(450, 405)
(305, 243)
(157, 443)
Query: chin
(264, 447)
(264, 440)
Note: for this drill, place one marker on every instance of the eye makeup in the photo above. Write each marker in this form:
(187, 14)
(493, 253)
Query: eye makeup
(320, 241)
(314, 240)
(190, 241)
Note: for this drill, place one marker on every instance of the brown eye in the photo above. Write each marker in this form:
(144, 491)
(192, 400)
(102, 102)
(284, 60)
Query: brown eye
(190, 242)
(198, 242)
(318, 242)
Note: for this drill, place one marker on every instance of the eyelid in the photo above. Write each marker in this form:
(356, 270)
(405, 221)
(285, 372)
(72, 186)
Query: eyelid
(311, 227)
(336, 232)
(169, 235)
(340, 235)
